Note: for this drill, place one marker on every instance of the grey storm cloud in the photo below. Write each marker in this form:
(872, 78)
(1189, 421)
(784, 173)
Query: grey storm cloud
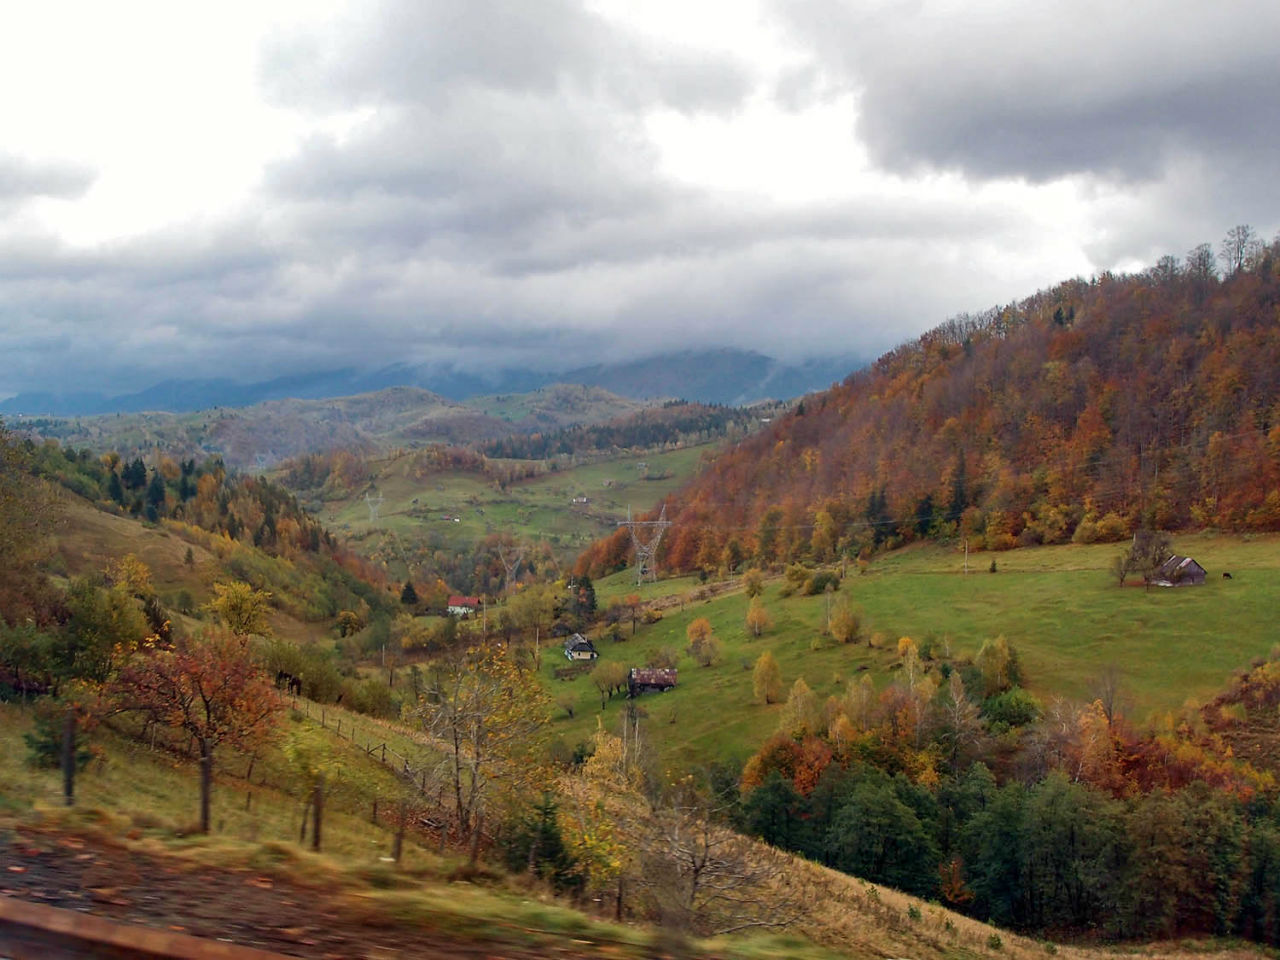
(493, 195)
(22, 178)
(423, 51)
(1044, 90)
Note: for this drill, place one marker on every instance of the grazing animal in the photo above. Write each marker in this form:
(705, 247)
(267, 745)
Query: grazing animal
(286, 680)
(1225, 575)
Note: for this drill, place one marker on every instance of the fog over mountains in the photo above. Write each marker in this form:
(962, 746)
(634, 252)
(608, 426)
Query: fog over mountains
(727, 376)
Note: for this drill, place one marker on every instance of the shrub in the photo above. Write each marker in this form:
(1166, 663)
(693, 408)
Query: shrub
(819, 582)
(666, 657)
(1112, 528)
(1086, 532)
(1015, 707)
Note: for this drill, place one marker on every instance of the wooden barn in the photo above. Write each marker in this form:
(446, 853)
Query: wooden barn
(1179, 572)
(650, 680)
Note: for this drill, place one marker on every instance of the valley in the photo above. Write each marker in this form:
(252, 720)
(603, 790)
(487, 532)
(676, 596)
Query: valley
(910, 629)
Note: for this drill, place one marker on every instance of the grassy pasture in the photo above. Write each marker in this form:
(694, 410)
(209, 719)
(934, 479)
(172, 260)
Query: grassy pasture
(453, 511)
(1058, 606)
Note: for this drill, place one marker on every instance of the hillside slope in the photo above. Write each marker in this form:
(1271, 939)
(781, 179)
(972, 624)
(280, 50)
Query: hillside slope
(1080, 412)
(276, 430)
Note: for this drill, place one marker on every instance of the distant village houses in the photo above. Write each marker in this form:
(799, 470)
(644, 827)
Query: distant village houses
(578, 647)
(463, 606)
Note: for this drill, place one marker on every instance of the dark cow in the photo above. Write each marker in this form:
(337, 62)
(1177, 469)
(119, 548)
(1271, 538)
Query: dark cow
(286, 680)
(1225, 575)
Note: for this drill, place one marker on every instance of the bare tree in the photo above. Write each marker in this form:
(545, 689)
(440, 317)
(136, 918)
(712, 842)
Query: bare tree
(700, 876)
(962, 731)
(488, 715)
(1238, 248)
(1106, 689)
(1149, 550)
(1201, 271)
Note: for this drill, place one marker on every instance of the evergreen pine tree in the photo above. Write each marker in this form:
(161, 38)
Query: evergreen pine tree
(156, 491)
(115, 490)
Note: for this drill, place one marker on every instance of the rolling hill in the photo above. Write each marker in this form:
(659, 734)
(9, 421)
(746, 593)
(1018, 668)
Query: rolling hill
(1079, 413)
(260, 436)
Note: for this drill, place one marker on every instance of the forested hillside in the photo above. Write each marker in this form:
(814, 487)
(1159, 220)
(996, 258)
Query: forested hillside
(1079, 413)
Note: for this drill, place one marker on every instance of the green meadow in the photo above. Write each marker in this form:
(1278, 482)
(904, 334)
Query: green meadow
(452, 511)
(1059, 607)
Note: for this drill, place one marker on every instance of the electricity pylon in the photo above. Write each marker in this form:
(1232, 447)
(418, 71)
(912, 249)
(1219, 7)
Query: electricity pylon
(646, 535)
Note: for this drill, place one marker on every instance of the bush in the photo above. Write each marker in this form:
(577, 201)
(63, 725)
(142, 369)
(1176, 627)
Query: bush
(666, 657)
(1112, 528)
(1086, 532)
(797, 574)
(1015, 707)
(819, 582)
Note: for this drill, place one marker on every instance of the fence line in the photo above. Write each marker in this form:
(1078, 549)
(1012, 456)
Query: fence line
(388, 756)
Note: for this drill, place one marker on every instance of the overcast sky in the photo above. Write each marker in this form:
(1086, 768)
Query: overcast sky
(249, 189)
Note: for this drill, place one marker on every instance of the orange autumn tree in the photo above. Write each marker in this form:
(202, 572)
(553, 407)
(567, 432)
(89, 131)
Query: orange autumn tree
(211, 689)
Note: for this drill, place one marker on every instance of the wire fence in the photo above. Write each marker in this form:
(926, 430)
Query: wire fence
(410, 770)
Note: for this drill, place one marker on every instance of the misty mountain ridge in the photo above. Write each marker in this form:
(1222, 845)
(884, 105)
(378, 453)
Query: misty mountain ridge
(726, 376)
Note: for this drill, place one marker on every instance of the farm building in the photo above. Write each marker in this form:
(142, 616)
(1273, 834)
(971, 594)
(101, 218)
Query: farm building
(1179, 572)
(650, 680)
(463, 606)
(578, 647)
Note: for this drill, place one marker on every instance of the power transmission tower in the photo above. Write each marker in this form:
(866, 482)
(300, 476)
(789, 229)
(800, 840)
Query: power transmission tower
(373, 503)
(510, 566)
(646, 535)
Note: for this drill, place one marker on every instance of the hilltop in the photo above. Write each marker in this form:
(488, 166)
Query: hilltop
(1078, 414)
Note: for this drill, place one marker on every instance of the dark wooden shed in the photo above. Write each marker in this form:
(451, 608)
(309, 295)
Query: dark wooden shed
(650, 680)
(1179, 572)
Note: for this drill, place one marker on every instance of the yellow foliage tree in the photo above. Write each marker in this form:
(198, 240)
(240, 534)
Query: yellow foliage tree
(995, 659)
(802, 716)
(130, 575)
(242, 609)
(491, 717)
(758, 619)
(766, 679)
(845, 623)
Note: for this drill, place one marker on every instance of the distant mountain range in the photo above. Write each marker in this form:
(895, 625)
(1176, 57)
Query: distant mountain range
(726, 376)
